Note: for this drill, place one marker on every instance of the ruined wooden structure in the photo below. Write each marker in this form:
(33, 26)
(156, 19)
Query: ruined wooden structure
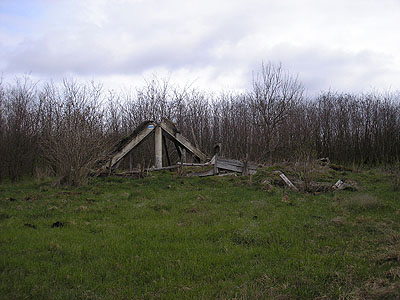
(163, 130)
(167, 130)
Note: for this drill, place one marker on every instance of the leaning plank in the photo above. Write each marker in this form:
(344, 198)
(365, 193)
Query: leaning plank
(287, 181)
(136, 140)
(173, 134)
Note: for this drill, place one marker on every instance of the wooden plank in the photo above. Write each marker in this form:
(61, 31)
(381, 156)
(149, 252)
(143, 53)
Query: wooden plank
(137, 171)
(235, 165)
(184, 157)
(287, 181)
(172, 133)
(215, 158)
(196, 164)
(232, 162)
(140, 137)
(339, 185)
(158, 147)
(228, 166)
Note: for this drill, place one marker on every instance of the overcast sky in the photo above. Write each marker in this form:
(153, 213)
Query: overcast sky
(343, 45)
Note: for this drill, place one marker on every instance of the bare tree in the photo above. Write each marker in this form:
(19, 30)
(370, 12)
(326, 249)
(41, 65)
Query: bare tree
(275, 93)
(73, 140)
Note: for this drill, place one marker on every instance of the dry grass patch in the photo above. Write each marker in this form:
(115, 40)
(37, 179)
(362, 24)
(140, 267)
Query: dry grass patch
(362, 202)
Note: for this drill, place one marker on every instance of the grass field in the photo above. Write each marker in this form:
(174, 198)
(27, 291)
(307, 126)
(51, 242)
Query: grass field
(170, 237)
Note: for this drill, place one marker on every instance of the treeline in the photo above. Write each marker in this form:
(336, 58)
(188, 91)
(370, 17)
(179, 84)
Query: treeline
(65, 128)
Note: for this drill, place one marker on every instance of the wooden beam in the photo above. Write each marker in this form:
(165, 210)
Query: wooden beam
(174, 135)
(184, 158)
(136, 140)
(158, 147)
(215, 158)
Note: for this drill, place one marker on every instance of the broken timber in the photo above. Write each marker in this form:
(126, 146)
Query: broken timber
(232, 165)
(173, 134)
(136, 138)
(287, 181)
(235, 165)
(164, 129)
(339, 185)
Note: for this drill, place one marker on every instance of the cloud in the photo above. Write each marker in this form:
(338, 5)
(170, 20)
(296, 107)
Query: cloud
(345, 45)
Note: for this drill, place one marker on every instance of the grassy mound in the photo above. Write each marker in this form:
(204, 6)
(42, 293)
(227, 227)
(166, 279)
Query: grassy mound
(168, 237)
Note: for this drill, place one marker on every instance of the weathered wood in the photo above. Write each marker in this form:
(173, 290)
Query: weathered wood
(136, 140)
(173, 134)
(288, 182)
(339, 185)
(196, 164)
(212, 161)
(202, 174)
(234, 165)
(138, 171)
(228, 166)
(184, 158)
(215, 158)
(158, 147)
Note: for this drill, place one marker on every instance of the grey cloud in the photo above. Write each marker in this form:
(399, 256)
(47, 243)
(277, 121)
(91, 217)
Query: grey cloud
(216, 39)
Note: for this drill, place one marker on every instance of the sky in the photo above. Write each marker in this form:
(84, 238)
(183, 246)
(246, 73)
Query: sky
(216, 45)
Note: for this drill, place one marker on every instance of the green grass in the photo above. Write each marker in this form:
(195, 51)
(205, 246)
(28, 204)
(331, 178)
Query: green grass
(167, 237)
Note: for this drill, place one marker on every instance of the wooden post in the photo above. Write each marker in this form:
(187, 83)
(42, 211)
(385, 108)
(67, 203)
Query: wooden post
(183, 150)
(158, 147)
(216, 171)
